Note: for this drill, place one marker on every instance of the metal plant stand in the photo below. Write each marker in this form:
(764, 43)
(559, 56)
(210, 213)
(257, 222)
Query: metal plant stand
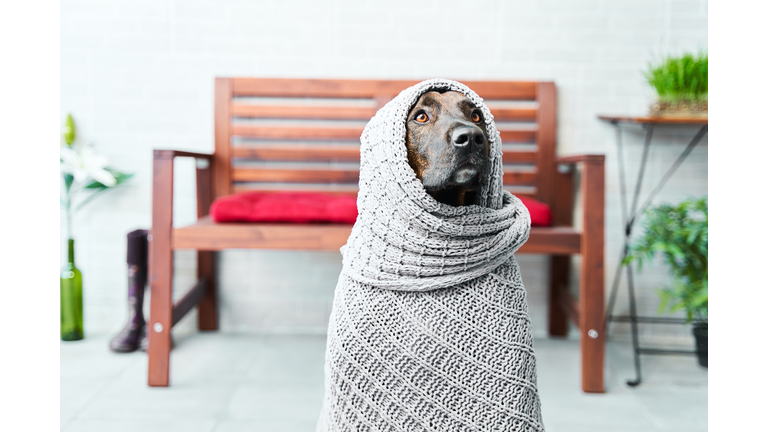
(630, 216)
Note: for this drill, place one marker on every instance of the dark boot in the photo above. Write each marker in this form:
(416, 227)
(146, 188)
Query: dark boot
(134, 332)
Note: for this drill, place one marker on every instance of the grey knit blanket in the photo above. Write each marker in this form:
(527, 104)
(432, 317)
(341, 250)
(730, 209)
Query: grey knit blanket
(429, 329)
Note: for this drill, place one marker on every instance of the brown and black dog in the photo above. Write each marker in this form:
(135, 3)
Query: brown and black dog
(448, 146)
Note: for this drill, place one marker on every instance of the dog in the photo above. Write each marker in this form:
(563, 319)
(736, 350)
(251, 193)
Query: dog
(448, 146)
(429, 328)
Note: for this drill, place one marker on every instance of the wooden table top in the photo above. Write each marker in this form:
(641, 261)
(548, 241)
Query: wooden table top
(672, 120)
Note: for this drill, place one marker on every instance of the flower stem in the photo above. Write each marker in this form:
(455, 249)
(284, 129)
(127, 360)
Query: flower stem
(67, 201)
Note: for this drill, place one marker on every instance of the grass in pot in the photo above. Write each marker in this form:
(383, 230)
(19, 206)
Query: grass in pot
(681, 85)
(680, 234)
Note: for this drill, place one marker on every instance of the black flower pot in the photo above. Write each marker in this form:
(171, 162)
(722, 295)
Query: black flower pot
(700, 333)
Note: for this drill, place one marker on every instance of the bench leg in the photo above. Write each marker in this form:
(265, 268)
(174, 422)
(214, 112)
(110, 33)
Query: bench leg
(207, 310)
(160, 314)
(591, 305)
(559, 272)
(160, 274)
(591, 280)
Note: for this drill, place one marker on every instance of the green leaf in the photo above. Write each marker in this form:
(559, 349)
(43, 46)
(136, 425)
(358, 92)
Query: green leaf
(683, 77)
(119, 178)
(664, 300)
(693, 236)
(675, 250)
(98, 187)
(68, 179)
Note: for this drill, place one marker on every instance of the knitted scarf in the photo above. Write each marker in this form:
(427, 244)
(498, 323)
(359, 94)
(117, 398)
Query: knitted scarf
(429, 329)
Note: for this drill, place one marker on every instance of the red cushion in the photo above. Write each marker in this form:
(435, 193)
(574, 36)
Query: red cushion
(308, 207)
(540, 213)
(296, 207)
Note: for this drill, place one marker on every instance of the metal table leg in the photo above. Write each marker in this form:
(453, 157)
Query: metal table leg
(629, 218)
(624, 211)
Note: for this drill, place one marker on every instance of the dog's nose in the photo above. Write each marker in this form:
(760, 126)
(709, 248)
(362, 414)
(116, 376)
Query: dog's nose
(466, 136)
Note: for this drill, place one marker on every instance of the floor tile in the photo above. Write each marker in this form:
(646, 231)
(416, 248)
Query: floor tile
(77, 393)
(229, 382)
(557, 364)
(656, 370)
(207, 358)
(593, 410)
(91, 359)
(143, 425)
(129, 397)
(289, 360)
(64, 422)
(572, 427)
(675, 409)
(276, 402)
(259, 425)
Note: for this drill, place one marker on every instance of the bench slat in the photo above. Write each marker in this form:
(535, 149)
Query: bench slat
(345, 88)
(277, 175)
(350, 112)
(299, 152)
(297, 133)
(512, 177)
(343, 133)
(267, 174)
(337, 189)
(514, 114)
(517, 156)
(302, 112)
(320, 88)
(336, 152)
(517, 136)
(503, 90)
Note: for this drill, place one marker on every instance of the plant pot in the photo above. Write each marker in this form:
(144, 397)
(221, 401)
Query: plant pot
(679, 108)
(700, 333)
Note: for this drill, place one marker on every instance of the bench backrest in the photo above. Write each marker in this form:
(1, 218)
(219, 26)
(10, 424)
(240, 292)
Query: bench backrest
(303, 134)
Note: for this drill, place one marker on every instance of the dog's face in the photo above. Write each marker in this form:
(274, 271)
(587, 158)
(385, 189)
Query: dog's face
(448, 146)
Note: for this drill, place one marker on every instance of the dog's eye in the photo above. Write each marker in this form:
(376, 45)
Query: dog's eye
(422, 118)
(475, 116)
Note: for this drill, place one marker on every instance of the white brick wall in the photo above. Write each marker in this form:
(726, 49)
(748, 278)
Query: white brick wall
(138, 75)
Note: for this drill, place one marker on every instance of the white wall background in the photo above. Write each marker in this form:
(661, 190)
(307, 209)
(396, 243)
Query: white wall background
(138, 75)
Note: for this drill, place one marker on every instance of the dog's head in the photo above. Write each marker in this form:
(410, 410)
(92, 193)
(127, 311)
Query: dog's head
(448, 146)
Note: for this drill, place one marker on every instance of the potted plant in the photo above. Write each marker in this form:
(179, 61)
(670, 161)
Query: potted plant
(680, 84)
(680, 233)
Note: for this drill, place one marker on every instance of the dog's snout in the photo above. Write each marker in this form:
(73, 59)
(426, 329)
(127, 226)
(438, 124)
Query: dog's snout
(466, 136)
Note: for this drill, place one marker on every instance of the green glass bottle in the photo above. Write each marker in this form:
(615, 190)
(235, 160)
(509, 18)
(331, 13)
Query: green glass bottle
(71, 299)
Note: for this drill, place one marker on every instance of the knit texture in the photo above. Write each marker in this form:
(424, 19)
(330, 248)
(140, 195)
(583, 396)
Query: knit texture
(429, 329)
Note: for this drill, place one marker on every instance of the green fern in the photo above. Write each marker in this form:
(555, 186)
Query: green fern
(680, 233)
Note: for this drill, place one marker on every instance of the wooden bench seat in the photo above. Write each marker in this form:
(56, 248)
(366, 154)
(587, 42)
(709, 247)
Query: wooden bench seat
(302, 135)
(329, 237)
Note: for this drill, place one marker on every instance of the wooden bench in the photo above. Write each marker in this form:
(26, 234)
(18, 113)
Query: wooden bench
(303, 134)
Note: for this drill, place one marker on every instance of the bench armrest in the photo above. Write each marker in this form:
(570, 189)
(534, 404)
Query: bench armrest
(170, 154)
(587, 158)
(162, 188)
(592, 190)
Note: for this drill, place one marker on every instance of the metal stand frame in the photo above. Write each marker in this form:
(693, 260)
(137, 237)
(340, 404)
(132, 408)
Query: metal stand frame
(628, 219)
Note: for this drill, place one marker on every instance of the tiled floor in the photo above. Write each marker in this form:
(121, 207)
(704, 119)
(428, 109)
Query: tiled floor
(228, 383)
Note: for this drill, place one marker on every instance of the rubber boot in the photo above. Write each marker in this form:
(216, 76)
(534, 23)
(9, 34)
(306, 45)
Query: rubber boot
(135, 330)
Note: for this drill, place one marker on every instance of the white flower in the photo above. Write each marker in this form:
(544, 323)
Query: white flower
(86, 164)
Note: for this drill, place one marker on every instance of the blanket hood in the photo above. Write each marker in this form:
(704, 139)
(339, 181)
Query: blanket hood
(403, 238)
